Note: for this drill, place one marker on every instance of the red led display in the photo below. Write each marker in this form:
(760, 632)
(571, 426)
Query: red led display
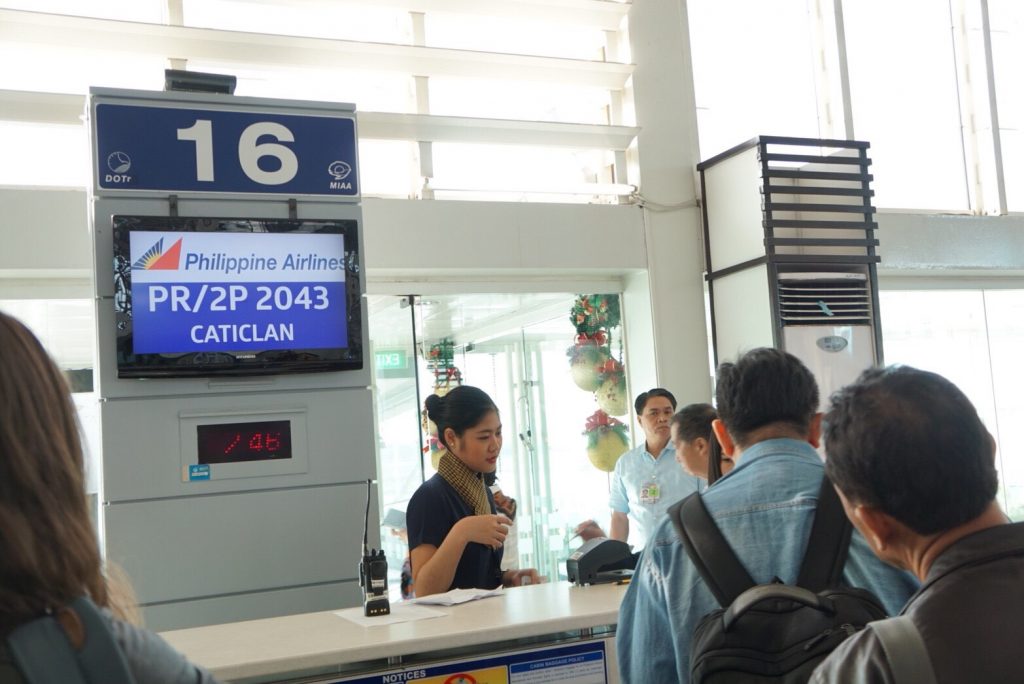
(238, 442)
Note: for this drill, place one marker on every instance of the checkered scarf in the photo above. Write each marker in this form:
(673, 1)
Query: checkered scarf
(468, 483)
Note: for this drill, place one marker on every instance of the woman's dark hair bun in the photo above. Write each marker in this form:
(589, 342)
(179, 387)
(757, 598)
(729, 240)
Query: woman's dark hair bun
(461, 408)
(434, 405)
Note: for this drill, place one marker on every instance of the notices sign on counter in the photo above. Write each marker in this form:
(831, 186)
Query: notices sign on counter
(582, 663)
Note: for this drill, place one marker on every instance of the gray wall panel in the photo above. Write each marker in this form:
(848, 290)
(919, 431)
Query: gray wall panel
(142, 444)
(205, 546)
(251, 606)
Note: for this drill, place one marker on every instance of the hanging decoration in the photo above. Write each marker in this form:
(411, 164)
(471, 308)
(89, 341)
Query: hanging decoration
(594, 368)
(585, 364)
(440, 359)
(611, 394)
(593, 317)
(606, 440)
(441, 362)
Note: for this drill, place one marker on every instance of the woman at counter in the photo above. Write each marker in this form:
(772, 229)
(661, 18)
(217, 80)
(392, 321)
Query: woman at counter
(455, 532)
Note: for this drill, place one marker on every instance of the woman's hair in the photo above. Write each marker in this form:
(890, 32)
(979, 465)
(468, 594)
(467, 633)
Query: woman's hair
(48, 550)
(460, 409)
(693, 421)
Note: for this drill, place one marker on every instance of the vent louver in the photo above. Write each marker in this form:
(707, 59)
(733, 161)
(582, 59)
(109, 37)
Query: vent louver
(824, 299)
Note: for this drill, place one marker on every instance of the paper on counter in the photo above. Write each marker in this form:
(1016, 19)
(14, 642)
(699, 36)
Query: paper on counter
(456, 596)
(400, 612)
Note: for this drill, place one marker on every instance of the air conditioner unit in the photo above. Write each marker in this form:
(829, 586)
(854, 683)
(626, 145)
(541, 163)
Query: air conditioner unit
(790, 254)
(827, 323)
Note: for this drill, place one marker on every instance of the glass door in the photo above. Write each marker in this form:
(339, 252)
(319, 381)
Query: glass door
(514, 347)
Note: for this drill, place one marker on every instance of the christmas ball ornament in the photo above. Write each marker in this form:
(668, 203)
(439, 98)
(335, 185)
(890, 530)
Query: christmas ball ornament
(586, 365)
(611, 396)
(607, 450)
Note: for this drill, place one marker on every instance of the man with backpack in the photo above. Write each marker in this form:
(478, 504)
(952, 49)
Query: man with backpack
(768, 423)
(915, 468)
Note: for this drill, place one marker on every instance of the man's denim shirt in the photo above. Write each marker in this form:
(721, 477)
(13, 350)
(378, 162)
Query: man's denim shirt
(764, 508)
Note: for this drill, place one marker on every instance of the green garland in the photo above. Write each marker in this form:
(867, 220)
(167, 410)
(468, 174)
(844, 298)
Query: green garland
(591, 313)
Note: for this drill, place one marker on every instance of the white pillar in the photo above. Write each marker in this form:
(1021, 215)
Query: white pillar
(671, 348)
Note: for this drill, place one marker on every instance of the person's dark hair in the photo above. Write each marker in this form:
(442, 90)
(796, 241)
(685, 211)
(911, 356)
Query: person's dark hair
(644, 397)
(460, 409)
(762, 387)
(48, 550)
(911, 444)
(693, 421)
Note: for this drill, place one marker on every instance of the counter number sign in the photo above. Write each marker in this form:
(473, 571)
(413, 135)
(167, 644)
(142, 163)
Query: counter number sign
(175, 149)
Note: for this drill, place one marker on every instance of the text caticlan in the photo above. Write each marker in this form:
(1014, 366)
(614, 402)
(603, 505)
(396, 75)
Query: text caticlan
(242, 332)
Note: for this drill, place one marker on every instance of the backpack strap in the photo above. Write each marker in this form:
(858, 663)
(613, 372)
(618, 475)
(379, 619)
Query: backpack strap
(717, 563)
(905, 651)
(100, 657)
(42, 651)
(829, 543)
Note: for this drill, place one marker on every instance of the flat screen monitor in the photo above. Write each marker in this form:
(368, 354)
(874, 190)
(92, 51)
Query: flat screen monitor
(204, 297)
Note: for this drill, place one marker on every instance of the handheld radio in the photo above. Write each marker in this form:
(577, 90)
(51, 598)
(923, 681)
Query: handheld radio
(373, 572)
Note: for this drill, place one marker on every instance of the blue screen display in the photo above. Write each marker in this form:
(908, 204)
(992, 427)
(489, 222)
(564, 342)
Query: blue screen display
(211, 296)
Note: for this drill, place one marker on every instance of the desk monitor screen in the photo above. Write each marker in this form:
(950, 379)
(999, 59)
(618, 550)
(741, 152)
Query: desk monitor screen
(235, 296)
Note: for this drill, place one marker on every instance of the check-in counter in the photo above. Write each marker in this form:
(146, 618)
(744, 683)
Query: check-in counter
(548, 633)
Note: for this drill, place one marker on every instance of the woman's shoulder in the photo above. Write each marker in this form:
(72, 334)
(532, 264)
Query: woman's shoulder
(430, 491)
(151, 659)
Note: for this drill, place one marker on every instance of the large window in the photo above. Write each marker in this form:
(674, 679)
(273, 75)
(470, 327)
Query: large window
(534, 69)
(47, 155)
(1006, 20)
(517, 36)
(973, 338)
(313, 19)
(518, 172)
(752, 71)
(904, 96)
(125, 10)
(914, 78)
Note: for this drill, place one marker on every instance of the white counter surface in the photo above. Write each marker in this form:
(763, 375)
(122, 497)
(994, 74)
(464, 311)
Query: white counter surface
(260, 648)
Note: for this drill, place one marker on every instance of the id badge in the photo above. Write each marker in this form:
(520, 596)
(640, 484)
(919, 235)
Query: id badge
(650, 493)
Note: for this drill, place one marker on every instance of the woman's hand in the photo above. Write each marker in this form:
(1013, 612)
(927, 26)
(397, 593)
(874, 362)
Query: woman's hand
(517, 578)
(489, 530)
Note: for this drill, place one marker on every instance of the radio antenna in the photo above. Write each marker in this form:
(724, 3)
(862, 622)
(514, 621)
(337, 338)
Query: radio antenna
(373, 570)
(366, 519)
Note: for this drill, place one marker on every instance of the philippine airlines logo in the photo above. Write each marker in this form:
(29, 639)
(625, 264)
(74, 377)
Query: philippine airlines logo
(156, 259)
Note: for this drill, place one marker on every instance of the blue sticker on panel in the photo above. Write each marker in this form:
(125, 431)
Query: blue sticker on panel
(198, 472)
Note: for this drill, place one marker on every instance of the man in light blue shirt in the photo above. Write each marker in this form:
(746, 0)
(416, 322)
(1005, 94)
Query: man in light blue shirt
(647, 479)
(768, 423)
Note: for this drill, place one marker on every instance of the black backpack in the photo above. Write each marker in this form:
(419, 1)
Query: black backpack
(775, 632)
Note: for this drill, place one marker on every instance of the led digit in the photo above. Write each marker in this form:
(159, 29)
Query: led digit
(231, 443)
